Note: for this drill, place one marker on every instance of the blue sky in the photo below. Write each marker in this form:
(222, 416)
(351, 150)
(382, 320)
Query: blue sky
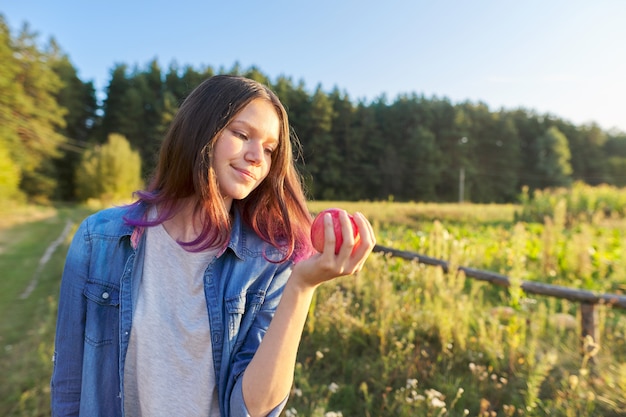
(564, 57)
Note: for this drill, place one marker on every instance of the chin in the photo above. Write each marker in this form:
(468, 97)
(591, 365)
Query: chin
(238, 196)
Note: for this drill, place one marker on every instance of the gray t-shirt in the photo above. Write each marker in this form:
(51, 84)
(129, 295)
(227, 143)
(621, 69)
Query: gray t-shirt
(169, 365)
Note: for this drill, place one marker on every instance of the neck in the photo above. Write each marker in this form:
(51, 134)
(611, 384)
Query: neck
(186, 224)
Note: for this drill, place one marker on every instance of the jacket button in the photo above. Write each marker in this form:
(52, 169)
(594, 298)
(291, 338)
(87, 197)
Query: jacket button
(105, 295)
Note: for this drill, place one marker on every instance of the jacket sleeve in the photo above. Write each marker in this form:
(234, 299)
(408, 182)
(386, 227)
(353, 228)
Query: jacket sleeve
(251, 339)
(238, 406)
(68, 353)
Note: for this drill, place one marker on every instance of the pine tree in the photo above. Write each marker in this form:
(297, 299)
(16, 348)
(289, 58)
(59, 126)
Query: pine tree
(29, 113)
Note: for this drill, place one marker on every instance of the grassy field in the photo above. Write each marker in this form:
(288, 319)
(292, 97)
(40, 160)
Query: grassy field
(442, 345)
(28, 292)
(400, 339)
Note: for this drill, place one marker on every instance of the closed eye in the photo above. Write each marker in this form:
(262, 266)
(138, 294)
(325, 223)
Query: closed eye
(240, 135)
(270, 146)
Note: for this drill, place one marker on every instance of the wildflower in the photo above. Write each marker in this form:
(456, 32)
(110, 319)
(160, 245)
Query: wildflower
(333, 414)
(333, 387)
(292, 412)
(436, 402)
(319, 355)
(431, 393)
(509, 410)
(297, 392)
(411, 383)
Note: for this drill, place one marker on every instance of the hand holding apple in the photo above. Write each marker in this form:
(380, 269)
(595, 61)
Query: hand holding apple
(317, 229)
(349, 254)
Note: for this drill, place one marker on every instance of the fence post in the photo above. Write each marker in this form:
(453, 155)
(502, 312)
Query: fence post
(589, 332)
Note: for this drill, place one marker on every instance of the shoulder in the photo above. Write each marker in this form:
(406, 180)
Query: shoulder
(111, 221)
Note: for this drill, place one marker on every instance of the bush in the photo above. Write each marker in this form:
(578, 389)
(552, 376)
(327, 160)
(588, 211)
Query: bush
(109, 172)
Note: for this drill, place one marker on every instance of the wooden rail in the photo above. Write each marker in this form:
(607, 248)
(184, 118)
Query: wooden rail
(587, 299)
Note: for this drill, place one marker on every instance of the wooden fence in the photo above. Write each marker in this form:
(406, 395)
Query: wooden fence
(587, 299)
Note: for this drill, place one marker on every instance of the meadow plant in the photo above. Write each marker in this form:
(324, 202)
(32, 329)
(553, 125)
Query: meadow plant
(403, 339)
(584, 203)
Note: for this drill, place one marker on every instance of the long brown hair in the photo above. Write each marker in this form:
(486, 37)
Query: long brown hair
(276, 210)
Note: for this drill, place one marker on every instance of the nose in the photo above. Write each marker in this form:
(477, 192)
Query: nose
(254, 152)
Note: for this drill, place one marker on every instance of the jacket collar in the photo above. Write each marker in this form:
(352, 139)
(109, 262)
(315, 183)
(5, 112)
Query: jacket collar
(236, 241)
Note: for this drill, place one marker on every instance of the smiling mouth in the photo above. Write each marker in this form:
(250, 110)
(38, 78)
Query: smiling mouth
(246, 173)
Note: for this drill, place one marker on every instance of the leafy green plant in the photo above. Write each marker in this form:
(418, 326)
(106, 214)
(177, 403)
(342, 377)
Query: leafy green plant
(109, 172)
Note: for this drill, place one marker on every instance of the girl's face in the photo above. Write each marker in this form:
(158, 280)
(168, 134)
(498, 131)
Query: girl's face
(242, 155)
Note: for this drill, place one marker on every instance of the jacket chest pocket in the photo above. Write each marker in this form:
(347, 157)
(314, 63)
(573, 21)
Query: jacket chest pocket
(102, 312)
(242, 311)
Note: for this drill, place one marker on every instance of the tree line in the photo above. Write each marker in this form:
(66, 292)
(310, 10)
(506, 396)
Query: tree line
(57, 140)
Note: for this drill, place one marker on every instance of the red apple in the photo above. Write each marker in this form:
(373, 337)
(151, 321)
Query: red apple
(317, 229)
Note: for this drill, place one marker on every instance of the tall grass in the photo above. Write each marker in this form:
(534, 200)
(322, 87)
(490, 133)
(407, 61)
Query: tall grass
(583, 202)
(400, 338)
(403, 339)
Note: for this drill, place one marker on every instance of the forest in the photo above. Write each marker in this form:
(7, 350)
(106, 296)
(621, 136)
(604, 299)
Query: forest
(58, 140)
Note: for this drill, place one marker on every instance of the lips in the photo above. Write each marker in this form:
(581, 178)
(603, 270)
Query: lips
(247, 174)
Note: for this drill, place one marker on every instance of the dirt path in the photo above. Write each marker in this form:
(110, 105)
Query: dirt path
(45, 258)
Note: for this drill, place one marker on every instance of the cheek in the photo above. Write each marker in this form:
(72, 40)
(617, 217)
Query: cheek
(227, 146)
(216, 152)
(268, 166)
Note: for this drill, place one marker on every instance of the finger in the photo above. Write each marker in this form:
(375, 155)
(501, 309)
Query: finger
(366, 231)
(365, 244)
(369, 226)
(329, 234)
(347, 233)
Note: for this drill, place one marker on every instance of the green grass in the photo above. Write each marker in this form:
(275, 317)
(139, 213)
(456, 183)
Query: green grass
(27, 325)
(399, 339)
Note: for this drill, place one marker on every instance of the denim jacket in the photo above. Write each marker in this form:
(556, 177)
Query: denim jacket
(99, 287)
